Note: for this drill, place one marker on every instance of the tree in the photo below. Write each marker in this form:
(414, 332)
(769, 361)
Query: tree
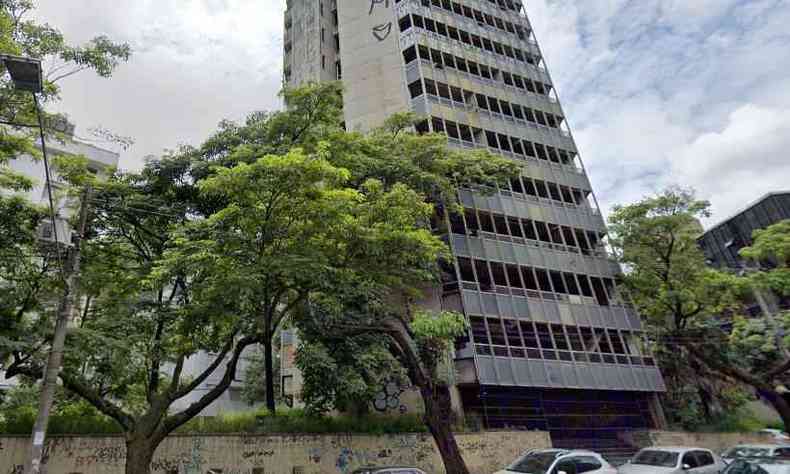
(21, 36)
(685, 301)
(138, 324)
(379, 328)
(419, 340)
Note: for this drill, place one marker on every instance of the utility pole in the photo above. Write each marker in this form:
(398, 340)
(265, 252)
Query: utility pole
(71, 283)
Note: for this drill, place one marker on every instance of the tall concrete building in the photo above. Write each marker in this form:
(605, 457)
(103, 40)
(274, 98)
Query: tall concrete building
(552, 344)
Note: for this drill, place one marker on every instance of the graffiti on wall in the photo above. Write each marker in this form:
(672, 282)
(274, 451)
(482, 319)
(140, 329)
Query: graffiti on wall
(388, 397)
(382, 31)
(308, 453)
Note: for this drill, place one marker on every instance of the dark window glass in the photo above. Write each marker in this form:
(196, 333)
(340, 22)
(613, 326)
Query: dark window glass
(529, 278)
(465, 265)
(513, 275)
(529, 229)
(415, 89)
(559, 337)
(603, 342)
(405, 23)
(511, 331)
(471, 219)
(479, 332)
(501, 224)
(515, 227)
(498, 271)
(504, 142)
(574, 338)
(409, 55)
(600, 293)
(528, 331)
(483, 276)
(617, 344)
(543, 279)
(570, 283)
(556, 280)
(544, 336)
(486, 224)
(496, 331)
(584, 284)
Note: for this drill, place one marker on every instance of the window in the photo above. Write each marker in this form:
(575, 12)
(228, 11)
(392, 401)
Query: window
(409, 55)
(479, 332)
(690, 460)
(415, 89)
(496, 331)
(704, 458)
(566, 466)
(465, 266)
(586, 464)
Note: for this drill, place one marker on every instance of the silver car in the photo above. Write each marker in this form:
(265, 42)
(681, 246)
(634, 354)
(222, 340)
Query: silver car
(674, 460)
(758, 466)
(389, 470)
(559, 461)
(756, 451)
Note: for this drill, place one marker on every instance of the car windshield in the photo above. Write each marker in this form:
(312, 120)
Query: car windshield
(652, 457)
(747, 452)
(534, 463)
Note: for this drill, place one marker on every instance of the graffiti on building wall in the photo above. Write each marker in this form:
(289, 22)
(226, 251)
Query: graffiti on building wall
(308, 454)
(382, 31)
(388, 397)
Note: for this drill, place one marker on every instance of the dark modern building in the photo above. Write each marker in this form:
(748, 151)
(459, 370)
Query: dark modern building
(723, 242)
(552, 345)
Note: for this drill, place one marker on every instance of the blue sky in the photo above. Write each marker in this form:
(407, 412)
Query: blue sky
(657, 92)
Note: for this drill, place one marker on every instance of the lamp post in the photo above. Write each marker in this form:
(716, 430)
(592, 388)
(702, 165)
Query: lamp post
(26, 75)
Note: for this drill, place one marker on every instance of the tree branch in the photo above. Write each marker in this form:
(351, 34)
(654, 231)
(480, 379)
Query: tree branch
(182, 392)
(174, 421)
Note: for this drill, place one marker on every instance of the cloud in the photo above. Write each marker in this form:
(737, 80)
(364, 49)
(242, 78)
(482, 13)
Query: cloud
(656, 91)
(665, 92)
(195, 62)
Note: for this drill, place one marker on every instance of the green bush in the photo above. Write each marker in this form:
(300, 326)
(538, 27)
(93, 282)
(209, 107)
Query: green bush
(297, 421)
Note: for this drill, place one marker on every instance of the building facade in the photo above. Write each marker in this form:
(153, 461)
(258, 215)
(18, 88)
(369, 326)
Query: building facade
(100, 161)
(723, 242)
(552, 344)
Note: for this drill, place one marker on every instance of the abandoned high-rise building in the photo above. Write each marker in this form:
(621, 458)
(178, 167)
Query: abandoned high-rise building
(552, 344)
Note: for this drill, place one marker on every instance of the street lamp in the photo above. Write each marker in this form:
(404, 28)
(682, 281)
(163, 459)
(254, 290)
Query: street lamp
(25, 72)
(26, 75)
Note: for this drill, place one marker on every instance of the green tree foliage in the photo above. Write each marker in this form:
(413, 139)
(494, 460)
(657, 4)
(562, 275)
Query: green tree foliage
(22, 36)
(686, 302)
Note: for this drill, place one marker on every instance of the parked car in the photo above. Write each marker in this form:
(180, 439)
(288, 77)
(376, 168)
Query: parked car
(771, 465)
(756, 451)
(777, 435)
(559, 461)
(389, 470)
(674, 460)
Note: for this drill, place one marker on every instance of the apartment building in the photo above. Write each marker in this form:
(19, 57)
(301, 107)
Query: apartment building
(552, 343)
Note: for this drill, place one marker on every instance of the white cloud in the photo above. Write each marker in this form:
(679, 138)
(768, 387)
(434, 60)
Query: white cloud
(670, 91)
(694, 92)
(195, 62)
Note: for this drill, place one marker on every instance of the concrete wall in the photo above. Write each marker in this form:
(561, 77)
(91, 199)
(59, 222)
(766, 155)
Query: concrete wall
(717, 442)
(287, 454)
(373, 71)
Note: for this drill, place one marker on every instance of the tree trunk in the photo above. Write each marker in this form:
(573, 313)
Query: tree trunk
(781, 406)
(139, 454)
(439, 418)
(269, 375)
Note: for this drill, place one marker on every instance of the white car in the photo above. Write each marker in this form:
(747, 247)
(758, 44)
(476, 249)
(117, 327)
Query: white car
(674, 460)
(778, 435)
(559, 461)
(758, 466)
(757, 451)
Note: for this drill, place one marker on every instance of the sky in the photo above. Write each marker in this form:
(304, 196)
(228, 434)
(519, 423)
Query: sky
(693, 93)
